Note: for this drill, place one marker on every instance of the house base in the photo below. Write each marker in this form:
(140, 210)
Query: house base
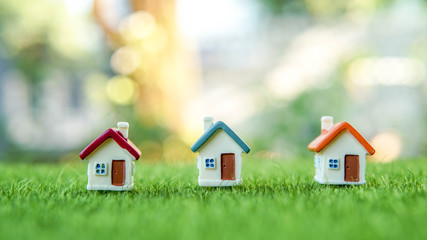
(110, 187)
(219, 183)
(335, 182)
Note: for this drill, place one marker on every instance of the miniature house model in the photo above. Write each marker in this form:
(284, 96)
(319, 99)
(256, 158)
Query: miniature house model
(220, 155)
(111, 160)
(340, 154)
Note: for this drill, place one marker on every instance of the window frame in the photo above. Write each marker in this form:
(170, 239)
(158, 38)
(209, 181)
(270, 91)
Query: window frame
(335, 162)
(102, 166)
(211, 161)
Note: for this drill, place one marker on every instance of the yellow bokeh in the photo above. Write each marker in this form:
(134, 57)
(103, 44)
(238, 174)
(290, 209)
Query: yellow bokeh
(137, 26)
(387, 145)
(125, 60)
(121, 90)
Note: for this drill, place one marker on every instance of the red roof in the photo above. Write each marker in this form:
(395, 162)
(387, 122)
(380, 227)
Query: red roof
(327, 136)
(116, 136)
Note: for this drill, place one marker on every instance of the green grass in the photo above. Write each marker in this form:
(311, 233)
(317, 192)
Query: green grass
(278, 200)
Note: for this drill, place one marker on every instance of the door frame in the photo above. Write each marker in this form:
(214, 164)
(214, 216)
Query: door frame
(123, 164)
(233, 166)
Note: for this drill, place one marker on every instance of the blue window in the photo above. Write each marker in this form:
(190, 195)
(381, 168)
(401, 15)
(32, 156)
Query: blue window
(333, 164)
(210, 163)
(100, 168)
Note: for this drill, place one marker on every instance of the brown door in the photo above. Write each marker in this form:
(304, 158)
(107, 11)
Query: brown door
(118, 173)
(228, 166)
(351, 168)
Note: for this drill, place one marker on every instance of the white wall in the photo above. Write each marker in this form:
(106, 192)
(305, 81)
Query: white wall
(106, 153)
(219, 143)
(343, 144)
(318, 159)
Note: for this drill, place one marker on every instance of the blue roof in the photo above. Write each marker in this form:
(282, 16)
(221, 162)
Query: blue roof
(208, 134)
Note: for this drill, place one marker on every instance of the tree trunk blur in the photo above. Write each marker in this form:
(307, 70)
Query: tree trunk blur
(166, 75)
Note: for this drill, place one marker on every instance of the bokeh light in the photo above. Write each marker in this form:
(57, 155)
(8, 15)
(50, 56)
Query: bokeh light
(386, 71)
(125, 60)
(121, 90)
(387, 145)
(269, 69)
(137, 26)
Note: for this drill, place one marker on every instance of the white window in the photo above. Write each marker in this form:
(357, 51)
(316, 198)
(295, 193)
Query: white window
(100, 168)
(317, 162)
(210, 163)
(333, 163)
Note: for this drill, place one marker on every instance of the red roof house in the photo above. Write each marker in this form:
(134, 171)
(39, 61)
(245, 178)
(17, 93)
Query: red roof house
(110, 160)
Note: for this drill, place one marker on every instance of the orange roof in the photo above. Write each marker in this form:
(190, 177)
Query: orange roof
(327, 136)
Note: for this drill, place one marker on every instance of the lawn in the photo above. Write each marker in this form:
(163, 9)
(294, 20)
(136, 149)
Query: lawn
(278, 200)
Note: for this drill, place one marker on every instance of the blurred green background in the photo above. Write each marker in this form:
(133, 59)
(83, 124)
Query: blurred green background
(269, 69)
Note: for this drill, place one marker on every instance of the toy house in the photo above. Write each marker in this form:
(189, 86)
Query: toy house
(111, 160)
(220, 155)
(340, 154)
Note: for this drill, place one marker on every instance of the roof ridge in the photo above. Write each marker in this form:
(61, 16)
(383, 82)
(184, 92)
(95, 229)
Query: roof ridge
(212, 130)
(120, 140)
(325, 138)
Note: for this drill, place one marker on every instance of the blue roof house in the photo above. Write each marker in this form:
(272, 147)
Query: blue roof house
(220, 155)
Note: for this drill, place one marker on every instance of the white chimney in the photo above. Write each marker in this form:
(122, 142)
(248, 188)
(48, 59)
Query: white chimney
(327, 123)
(208, 122)
(123, 128)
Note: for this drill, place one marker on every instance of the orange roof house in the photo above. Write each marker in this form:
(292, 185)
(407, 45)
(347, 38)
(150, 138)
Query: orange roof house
(327, 136)
(340, 153)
